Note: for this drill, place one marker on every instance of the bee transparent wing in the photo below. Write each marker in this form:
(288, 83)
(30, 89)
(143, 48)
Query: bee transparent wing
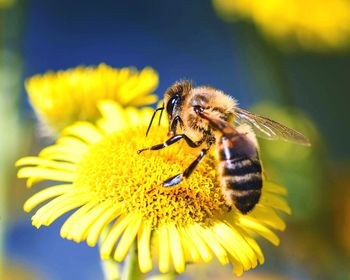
(269, 129)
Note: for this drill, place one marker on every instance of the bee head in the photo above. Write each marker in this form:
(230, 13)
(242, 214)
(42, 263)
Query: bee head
(173, 102)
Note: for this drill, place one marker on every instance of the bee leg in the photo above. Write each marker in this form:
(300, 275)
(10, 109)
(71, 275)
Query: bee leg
(173, 140)
(172, 181)
(178, 178)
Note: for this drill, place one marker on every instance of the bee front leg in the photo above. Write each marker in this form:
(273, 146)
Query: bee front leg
(172, 181)
(173, 140)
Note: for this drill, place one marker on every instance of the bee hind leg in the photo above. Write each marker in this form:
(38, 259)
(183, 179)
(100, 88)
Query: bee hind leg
(172, 181)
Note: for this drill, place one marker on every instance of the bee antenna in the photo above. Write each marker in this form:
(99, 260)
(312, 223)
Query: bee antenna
(161, 113)
(154, 113)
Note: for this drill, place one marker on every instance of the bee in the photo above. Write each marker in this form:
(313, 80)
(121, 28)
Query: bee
(204, 116)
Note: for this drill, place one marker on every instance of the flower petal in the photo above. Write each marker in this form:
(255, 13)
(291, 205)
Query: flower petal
(190, 250)
(48, 174)
(101, 223)
(254, 245)
(57, 207)
(59, 150)
(65, 166)
(257, 227)
(235, 244)
(76, 217)
(237, 267)
(164, 250)
(275, 201)
(145, 100)
(202, 248)
(274, 188)
(127, 238)
(268, 216)
(80, 229)
(114, 233)
(213, 244)
(143, 241)
(85, 131)
(44, 195)
(71, 141)
(176, 249)
(112, 111)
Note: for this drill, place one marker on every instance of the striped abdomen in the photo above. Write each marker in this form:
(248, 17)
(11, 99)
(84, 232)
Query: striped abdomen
(240, 170)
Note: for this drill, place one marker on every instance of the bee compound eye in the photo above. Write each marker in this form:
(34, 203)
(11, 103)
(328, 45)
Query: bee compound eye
(171, 104)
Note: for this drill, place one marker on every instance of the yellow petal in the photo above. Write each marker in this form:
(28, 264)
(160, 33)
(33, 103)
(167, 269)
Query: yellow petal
(275, 201)
(254, 245)
(85, 131)
(75, 217)
(234, 244)
(58, 207)
(111, 112)
(202, 248)
(133, 116)
(72, 142)
(268, 216)
(49, 174)
(80, 229)
(47, 163)
(64, 157)
(237, 267)
(55, 150)
(112, 236)
(163, 245)
(33, 180)
(127, 238)
(213, 244)
(45, 194)
(144, 100)
(176, 249)
(190, 250)
(143, 241)
(99, 225)
(65, 207)
(257, 227)
(274, 188)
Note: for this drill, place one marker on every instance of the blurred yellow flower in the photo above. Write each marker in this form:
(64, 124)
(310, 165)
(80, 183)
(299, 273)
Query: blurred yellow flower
(63, 97)
(311, 24)
(118, 192)
(6, 3)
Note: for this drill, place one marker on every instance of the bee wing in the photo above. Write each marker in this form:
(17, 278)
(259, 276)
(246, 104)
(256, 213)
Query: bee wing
(269, 129)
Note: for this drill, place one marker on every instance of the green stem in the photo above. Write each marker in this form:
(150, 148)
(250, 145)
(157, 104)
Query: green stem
(131, 268)
(168, 276)
(110, 269)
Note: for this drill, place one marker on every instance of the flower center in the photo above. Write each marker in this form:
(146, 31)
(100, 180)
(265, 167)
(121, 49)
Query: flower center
(112, 170)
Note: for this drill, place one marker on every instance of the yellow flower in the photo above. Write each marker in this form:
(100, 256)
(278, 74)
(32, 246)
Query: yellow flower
(63, 97)
(313, 24)
(116, 191)
(6, 3)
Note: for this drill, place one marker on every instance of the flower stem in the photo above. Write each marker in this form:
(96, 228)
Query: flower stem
(131, 268)
(168, 276)
(110, 269)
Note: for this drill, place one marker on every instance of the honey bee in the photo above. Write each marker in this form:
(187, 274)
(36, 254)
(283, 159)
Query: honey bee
(203, 116)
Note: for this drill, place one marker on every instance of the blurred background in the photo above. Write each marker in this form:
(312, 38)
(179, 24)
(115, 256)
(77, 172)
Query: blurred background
(289, 60)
